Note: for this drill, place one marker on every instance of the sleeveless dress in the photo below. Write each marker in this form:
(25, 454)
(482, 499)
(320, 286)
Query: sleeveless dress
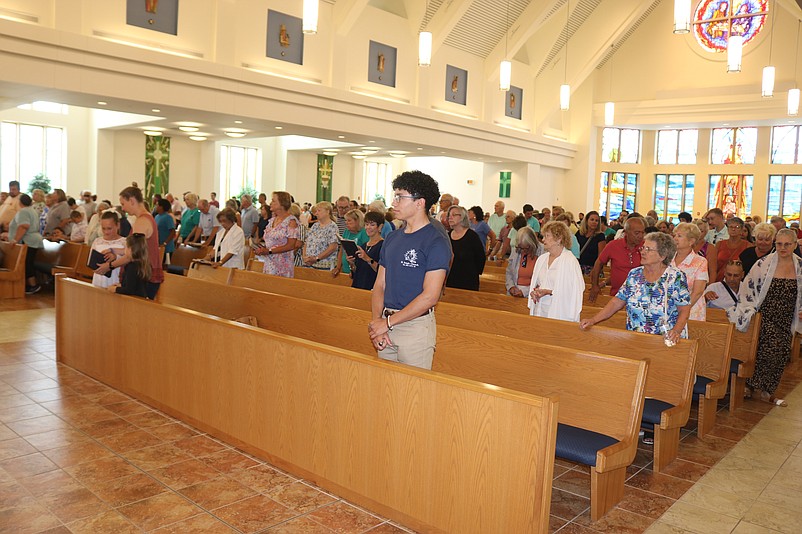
(156, 273)
(774, 343)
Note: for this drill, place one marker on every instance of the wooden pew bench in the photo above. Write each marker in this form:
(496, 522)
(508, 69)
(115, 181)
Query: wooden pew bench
(434, 452)
(712, 363)
(12, 275)
(57, 256)
(305, 273)
(588, 402)
(182, 256)
(668, 386)
(742, 354)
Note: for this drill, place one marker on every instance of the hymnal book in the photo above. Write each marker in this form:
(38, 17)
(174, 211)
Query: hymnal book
(96, 259)
(349, 246)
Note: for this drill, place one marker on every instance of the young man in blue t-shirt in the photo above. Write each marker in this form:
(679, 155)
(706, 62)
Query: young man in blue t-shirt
(413, 266)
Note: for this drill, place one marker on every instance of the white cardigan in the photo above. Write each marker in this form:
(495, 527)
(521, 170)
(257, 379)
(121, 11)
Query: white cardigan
(230, 241)
(565, 302)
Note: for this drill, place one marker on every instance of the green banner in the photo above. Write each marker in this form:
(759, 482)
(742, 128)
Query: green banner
(504, 184)
(325, 169)
(157, 166)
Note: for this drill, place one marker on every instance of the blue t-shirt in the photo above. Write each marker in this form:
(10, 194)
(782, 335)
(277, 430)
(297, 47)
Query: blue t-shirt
(165, 223)
(386, 229)
(407, 258)
(482, 229)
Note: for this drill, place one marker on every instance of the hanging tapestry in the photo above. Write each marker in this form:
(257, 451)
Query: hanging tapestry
(504, 184)
(325, 168)
(157, 165)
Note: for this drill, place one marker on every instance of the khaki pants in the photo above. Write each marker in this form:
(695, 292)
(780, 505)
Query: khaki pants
(413, 342)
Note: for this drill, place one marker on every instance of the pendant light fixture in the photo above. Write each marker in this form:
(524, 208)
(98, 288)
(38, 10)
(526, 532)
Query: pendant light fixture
(609, 107)
(310, 16)
(565, 89)
(767, 85)
(505, 68)
(735, 48)
(425, 46)
(682, 16)
(793, 94)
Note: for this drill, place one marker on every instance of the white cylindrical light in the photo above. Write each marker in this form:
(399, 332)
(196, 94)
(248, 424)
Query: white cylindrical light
(609, 113)
(768, 81)
(424, 49)
(682, 16)
(735, 48)
(310, 16)
(565, 96)
(504, 75)
(793, 102)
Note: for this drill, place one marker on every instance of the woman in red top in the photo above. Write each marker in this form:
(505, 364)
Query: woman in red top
(730, 249)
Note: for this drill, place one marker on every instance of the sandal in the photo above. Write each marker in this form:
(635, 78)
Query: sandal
(748, 392)
(771, 399)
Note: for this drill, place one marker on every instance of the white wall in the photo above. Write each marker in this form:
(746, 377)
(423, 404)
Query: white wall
(452, 176)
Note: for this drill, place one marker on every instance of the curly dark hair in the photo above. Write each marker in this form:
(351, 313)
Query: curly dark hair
(420, 185)
(478, 212)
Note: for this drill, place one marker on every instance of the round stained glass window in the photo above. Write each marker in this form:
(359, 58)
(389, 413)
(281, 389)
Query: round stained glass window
(715, 20)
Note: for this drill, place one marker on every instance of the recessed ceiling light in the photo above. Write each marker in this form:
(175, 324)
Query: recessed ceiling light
(279, 127)
(359, 157)
(197, 137)
(188, 128)
(237, 122)
(371, 141)
(340, 137)
(370, 149)
(156, 110)
(235, 134)
(360, 153)
(153, 133)
(443, 152)
(420, 148)
(329, 153)
(101, 103)
(398, 155)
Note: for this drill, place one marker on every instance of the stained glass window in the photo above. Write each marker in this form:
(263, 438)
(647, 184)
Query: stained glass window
(620, 145)
(732, 202)
(673, 193)
(785, 192)
(715, 20)
(733, 146)
(785, 145)
(677, 146)
(616, 193)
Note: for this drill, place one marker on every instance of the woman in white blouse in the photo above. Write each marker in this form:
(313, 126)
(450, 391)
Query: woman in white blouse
(229, 245)
(557, 284)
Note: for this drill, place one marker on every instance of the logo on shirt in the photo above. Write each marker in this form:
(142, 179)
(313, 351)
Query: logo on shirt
(410, 258)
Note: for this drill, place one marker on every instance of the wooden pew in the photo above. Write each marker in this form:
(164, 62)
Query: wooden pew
(573, 373)
(79, 269)
(674, 366)
(742, 354)
(712, 362)
(305, 273)
(57, 256)
(182, 256)
(432, 451)
(221, 275)
(12, 277)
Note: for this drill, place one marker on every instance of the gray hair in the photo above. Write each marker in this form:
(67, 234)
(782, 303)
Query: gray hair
(527, 237)
(465, 222)
(666, 248)
(377, 205)
(788, 232)
(629, 221)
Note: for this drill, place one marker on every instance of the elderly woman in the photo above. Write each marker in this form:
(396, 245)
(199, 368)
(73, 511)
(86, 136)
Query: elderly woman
(379, 207)
(93, 230)
(281, 233)
(24, 229)
(38, 197)
(730, 249)
(555, 290)
(303, 231)
(365, 265)
(476, 216)
(233, 205)
(321, 243)
(773, 288)
(190, 217)
(591, 239)
(229, 245)
(693, 265)
(655, 294)
(764, 244)
(705, 249)
(469, 254)
(354, 231)
(522, 263)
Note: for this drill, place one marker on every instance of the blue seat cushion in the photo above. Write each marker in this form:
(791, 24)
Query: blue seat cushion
(700, 385)
(580, 445)
(734, 366)
(176, 269)
(652, 409)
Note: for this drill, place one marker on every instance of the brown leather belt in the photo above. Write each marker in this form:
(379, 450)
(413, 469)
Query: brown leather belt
(388, 312)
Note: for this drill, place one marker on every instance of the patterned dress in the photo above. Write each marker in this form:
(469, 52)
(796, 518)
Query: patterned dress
(318, 240)
(774, 344)
(653, 304)
(695, 268)
(280, 264)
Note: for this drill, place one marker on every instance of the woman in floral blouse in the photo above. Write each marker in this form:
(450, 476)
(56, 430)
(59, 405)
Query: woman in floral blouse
(280, 236)
(655, 294)
(320, 247)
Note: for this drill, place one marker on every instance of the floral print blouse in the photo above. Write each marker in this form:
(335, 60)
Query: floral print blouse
(317, 240)
(653, 304)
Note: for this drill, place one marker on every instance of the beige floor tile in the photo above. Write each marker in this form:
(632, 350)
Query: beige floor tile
(699, 520)
(774, 517)
(749, 528)
(717, 500)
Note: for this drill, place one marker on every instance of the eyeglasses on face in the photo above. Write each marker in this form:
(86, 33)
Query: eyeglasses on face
(780, 244)
(397, 198)
(647, 249)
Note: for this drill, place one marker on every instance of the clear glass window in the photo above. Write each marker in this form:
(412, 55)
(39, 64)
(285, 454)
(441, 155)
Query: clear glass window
(620, 145)
(27, 150)
(734, 146)
(785, 145)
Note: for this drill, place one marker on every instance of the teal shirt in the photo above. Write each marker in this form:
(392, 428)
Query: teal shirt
(28, 216)
(189, 220)
(533, 223)
(361, 238)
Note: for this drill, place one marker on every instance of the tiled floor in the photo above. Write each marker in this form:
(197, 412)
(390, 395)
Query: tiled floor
(77, 456)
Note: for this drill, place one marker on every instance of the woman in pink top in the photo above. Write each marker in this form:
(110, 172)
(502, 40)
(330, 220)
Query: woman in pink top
(693, 265)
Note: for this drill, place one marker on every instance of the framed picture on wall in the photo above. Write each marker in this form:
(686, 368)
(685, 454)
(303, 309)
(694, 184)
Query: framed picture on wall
(381, 63)
(285, 37)
(156, 15)
(456, 88)
(514, 100)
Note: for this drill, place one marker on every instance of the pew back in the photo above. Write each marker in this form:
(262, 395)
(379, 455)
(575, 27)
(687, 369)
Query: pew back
(12, 278)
